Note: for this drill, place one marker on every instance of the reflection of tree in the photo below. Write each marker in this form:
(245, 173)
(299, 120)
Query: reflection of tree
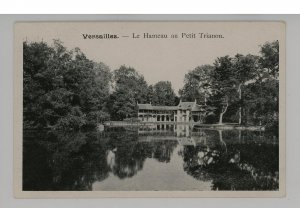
(129, 154)
(242, 167)
(72, 161)
(196, 158)
(36, 172)
(162, 150)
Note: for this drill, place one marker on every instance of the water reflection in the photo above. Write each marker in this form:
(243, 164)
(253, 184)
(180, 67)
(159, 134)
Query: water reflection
(156, 157)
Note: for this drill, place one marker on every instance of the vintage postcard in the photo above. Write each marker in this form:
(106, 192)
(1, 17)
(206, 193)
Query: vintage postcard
(149, 109)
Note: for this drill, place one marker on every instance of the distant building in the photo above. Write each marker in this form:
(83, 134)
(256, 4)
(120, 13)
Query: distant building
(183, 112)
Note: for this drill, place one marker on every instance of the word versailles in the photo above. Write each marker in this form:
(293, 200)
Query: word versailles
(100, 36)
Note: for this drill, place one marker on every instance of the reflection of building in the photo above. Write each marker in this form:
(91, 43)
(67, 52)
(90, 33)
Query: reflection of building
(183, 112)
(183, 133)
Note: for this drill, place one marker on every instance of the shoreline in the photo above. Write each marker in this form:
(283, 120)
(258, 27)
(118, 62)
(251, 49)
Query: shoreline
(224, 126)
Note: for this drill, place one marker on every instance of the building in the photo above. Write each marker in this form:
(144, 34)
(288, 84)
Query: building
(184, 112)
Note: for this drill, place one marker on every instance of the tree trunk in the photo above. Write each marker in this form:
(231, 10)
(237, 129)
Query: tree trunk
(223, 112)
(221, 139)
(221, 118)
(240, 108)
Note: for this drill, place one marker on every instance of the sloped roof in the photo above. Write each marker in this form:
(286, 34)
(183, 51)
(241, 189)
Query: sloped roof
(164, 107)
(186, 105)
(151, 107)
(145, 106)
(182, 106)
(198, 108)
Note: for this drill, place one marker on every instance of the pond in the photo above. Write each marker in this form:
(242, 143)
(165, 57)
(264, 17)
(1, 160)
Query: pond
(157, 157)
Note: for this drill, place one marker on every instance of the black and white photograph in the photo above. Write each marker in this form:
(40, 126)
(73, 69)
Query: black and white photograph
(149, 109)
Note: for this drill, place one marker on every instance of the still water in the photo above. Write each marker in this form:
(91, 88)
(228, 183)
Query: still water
(158, 157)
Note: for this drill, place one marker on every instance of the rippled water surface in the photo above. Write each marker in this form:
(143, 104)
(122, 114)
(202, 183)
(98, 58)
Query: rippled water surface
(158, 157)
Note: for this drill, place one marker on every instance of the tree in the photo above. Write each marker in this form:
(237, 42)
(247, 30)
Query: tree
(150, 94)
(228, 80)
(130, 89)
(42, 69)
(245, 68)
(191, 88)
(261, 97)
(223, 85)
(163, 94)
(197, 84)
(269, 59)
(270, 85)
(61, 87)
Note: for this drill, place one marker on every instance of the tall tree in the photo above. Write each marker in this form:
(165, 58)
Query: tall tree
(43, 69)
(269, 59)
(223, 85)
(245, 68)
(61, 87)
(197, 84)
(262, 96)
(150, 94)
(163, 94)
(130, 88)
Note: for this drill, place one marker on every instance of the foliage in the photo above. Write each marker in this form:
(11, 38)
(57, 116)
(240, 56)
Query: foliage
(244, 88)
(61, 87)
(163, 94)
(197, 84)
(270, 58)
(130, 88)
(60, 160)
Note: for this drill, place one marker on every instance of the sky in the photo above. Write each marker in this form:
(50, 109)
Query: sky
(157, 59)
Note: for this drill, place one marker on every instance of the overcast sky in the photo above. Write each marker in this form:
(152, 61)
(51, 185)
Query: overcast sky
(157, 59)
